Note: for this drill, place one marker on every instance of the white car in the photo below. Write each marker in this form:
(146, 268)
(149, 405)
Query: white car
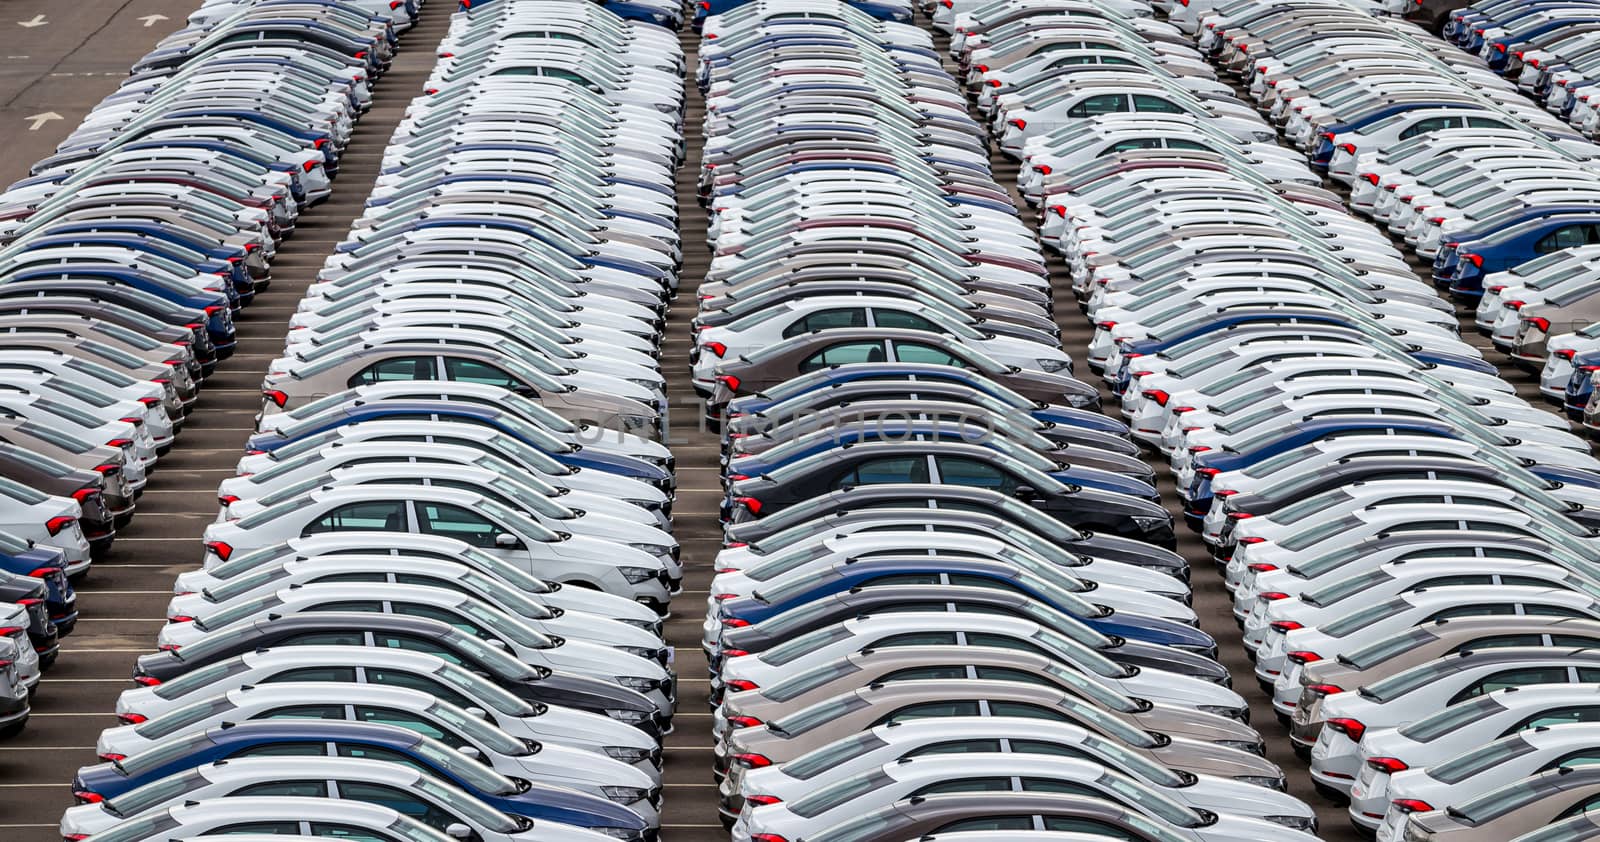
(506, 751)
(32, 515)
(193, 820)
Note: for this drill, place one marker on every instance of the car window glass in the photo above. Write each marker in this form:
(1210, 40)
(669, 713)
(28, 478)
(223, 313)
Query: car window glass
(1000, 641)
(1023, 709)
(1512, 678)
(1098, 829)
(366, 516)
(926, 673)
(1009, 674)
(1432, 124)
(1565, 237)
(893, 469)
(988, 823)
(400, 801)
(916, 352)
(827, 320)
(966, 785)
(284, 828)
(457, 522)
(1471, 611)
(330, 673)
(1099, 104)
(473, 371)
(398, 368)
(408, 721)
(844, 353)
(1562, 715)
(1143, 102)
(931, 638)
(287, 789)
(902, 320)
(349, 832)
(412, 681)
(362, 752)
(283, 750)
(929, 710)
(303, 712)
(957, 747)
(961, 470)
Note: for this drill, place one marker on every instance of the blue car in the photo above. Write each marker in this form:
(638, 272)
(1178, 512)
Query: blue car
(1580, 384)
(488, 416)
(1512, 239)
(24, 558)
(233, 271)
(736, 613)
(106, 781)
(216, 306)
(1324, 151)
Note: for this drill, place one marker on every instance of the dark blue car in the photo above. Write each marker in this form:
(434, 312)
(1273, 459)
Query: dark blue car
(1511, 239)
(24, 558)
(505, 422)
(280, 738)
(869, 572)
(215, 305)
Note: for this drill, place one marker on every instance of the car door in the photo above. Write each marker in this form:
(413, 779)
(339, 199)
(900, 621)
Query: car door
(844, 353)
(452, 521)
(1519, 677)
(362, 516)
(966, 471)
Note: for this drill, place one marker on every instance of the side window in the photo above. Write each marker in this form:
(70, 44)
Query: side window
(918, 639)
(352, 577)
(473, 371)
(1008, 674)
(345, 674)
(1023, 709)
(1485, 123)
(411, 609)
(1180, 143)
(966, 785)
(1098, 829)
(1569, 640)
(1581, 757)
(1042, 747)
(827, 320)
(900, 320)
(285, 828)
(1565, 237)
(413, 644)
(1554, 611)
(370, 606)
(1512, 678)
(1131, 145)
(903, 579)
(1559, 716)
(988, 823)
(412, 681)
(456, 522)
(1058, 785)
(960, 470)
(929, 710)
(398, 368)
(1502, 641)
(1099, 104)
(1581, 805)
(925, 673)
(397, 800)
(333, 830)
(887, 470)
(286, 789)
(372, 516)
(1472, 611)
(1000, 641)
(336, 638)
(361, 752)
(844, 353)
(916, 352)
(958, 747)
(1145, 102)
(304, 712)
(1432, 124)
(1463, 579)
(282, 750)
(408, 721)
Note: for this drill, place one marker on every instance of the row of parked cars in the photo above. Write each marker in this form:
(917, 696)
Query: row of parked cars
(125, 256)
(947, 606)
(431, 605)
(1409, 546)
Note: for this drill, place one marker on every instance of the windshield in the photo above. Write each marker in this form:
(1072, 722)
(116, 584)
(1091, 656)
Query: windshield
(804, 720)
(476, 730)
(1363, 617)
(1150, 801)
(154, 794)
(849, 789)
(228, 615)
(480, 777)
(1452, 718)
(797, 647)
(464, 805)
(830, 756)
(1376, 653)
(1480, 760)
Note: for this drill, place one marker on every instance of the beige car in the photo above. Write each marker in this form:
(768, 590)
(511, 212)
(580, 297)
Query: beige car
(1419, 645)
(1185, 741)
(1518, 808)
(955, 663)
(1569, 311)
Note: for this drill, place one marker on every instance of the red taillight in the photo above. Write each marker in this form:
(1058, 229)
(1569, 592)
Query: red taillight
(1566, 353)
(763, 800)
(768, 837)
(309, 166)
(730, 381)
(227, 499)
(111, 755)
(107, 469)
(1387, 764)
(83, 494)
(1272, 596)
(995, 83)
(41, 572)
(1348, 147)
(1412, 805)
(222, 548)
(120, 443)
(735, 623)
(1157, 395)
(150, 401)
(742, 721)
(85, 798)
(215, 309)
(1540, 322)
(1020, 124)
(742, 685)
(169, 647)
(146, 681)
(753, 761)
(1286, 626)
(1515, 305)
(56, 524)
(1324, 689)
(1303, 657)
(1240, 515)
(721, 596)
(1371, 177)
(734, 653)
(1205, 472)
(180, 618)
(717, 348)
(1474, 259)
(7, 631)
(751, 504)
(278, 398)
(132, 718)
(1351, 728)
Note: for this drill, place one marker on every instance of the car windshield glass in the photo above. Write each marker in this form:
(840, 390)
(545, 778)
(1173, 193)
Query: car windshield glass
(480, 777)
(272, 513)
(804, 720)
(850, 788)
(1133, 762)
(482, 690)
(464, 805)
(1452, 718)
(1496, 803)
(1149, 801)
(1322, 564)
(779, 565)
(759, 316)
(1303, 509)
(490, 659)
(1273, 464)
(1376, 653)
(282, 466)
(1363, 617)
(177, 720)
(796, 647)
(154, 794)
(477, 730)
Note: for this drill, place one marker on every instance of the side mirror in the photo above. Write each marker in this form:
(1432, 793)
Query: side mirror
(469, 751)
(478, 712)
(496, 643)
(506, 541)
(1023, 492)
(458, 830)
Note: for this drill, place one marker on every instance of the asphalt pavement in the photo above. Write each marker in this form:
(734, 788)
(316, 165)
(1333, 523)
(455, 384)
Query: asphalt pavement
(56, 61)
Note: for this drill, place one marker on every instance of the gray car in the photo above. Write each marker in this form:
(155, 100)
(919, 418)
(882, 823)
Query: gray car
(1512, 810)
